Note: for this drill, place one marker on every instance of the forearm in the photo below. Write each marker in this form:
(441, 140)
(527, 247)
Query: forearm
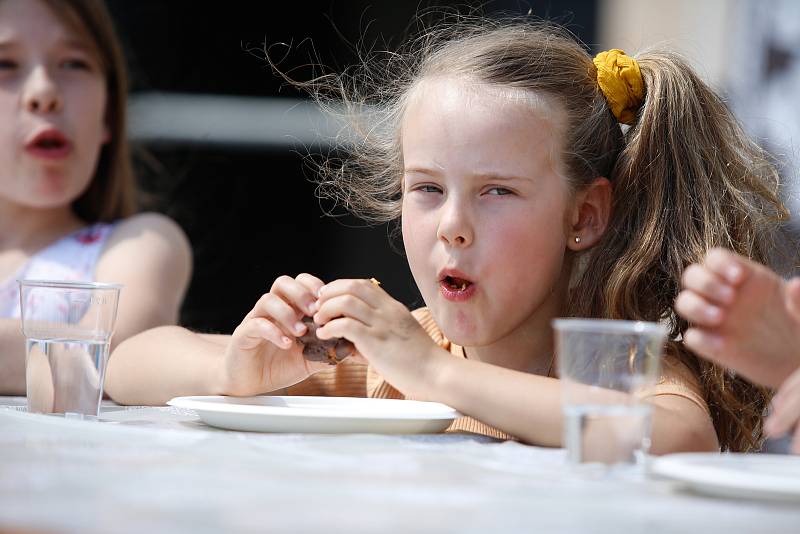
(524, 405)
(529, 407)
(156, 365)
(12, 358)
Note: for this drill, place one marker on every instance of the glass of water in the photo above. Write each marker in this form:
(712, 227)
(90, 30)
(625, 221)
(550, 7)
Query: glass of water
(67, 328)
(606, 368)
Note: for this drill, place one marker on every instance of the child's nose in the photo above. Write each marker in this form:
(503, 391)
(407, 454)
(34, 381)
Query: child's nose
(41, 93)
(454, 226)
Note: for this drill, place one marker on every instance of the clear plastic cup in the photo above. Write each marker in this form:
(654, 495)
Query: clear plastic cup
(68, 328)
(606, 368)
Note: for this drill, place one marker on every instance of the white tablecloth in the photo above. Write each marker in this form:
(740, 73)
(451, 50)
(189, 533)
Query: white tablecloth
(161, 470)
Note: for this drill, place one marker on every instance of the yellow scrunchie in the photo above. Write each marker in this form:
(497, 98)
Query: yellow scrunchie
(620, 80)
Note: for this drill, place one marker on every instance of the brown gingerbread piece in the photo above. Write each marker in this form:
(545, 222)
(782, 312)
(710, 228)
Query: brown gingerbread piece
(332, 351)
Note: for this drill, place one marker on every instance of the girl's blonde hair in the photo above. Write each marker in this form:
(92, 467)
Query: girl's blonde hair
(111, 193)
(686, 178)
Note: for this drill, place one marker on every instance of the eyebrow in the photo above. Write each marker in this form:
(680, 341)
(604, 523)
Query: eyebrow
(489, 176)
(494, 177)
(421, 170)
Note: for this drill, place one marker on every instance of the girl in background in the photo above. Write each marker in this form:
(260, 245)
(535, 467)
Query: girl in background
(67, 197)
(499, 148)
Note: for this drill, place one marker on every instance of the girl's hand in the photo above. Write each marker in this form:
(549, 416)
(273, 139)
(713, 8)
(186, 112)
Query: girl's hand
(785, 416)
(742, 316)
(384, 332)
(262, 355)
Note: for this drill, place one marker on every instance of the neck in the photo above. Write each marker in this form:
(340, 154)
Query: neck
(23, 227)
(530, 346)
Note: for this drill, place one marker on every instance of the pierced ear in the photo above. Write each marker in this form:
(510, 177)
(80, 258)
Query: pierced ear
(590, 216)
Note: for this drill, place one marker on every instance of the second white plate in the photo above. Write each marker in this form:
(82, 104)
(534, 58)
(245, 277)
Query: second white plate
(322, 415)
(748, 476)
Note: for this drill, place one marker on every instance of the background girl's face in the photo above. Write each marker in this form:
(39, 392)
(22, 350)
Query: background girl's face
(52, 107)
(484, 209)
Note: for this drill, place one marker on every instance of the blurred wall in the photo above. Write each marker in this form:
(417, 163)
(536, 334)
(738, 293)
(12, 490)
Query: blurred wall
(748, 50)
(698, 29)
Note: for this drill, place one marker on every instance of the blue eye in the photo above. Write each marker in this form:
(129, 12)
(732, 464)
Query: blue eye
(499, 191)
(427, 188)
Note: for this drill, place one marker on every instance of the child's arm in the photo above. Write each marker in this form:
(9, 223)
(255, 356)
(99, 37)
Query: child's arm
(529, 407)
(261, 355)
(161, 363)
(521, 404)
(742, 316)
(786, 411)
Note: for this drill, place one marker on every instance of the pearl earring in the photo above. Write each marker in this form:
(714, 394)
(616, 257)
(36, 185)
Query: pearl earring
(577, 239)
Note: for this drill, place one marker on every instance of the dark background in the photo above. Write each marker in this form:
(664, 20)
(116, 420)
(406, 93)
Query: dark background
(251, 215)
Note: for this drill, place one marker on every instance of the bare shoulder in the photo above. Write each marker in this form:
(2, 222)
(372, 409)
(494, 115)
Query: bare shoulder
(150, 224)
(147, 241)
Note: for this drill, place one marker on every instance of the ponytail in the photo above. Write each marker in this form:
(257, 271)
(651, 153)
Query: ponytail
(687, 180)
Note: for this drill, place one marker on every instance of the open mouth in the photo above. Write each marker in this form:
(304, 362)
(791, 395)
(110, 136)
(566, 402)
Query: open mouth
(456, 284)
(49, 144)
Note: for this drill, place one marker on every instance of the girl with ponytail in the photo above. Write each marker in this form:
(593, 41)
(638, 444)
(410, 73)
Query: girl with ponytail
(499, 148)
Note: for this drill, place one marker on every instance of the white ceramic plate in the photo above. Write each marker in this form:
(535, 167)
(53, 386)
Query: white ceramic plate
(320, 415)
(749, 476)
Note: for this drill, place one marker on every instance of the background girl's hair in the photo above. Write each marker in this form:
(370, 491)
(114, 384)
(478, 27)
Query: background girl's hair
(112, 193)
(685, 176)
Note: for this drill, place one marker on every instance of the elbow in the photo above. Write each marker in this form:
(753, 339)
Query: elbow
(685, 440)
(682, 432)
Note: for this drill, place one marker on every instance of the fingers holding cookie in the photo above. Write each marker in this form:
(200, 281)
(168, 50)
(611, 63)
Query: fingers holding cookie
(368, 291)
(300, 292)
(288, 301)
(339, 299)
